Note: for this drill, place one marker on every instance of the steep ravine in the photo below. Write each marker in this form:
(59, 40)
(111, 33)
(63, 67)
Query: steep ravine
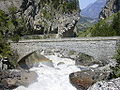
(52, 70)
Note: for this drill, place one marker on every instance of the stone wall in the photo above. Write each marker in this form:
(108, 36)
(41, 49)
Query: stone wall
(101, 48)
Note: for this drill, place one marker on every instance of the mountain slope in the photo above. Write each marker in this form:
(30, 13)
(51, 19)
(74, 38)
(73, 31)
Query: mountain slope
(85, 23)
(93, 10)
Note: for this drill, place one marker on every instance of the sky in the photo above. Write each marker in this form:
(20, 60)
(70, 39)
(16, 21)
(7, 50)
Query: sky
(84, 3)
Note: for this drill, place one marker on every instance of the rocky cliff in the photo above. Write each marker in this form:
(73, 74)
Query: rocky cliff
(111, 7)
(47, 16)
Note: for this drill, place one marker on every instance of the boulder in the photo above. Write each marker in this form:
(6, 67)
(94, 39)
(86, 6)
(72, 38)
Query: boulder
(86, 60)
(82, 80)
(12, 79)
(33, 60)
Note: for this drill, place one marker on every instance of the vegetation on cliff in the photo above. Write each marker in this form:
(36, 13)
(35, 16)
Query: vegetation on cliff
(12, 27)
(50, 13)
(64, 6)
(107, 27)
(4, 28)
(9, 27)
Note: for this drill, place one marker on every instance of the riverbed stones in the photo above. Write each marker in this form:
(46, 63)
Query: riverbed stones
(81, 59)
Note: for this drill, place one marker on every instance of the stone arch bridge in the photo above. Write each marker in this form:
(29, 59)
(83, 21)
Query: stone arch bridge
(98, 47)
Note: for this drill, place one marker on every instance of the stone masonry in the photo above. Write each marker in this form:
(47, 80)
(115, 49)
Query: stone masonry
(101, 48)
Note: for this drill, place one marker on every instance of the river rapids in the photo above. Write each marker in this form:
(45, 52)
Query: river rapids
(54, 77)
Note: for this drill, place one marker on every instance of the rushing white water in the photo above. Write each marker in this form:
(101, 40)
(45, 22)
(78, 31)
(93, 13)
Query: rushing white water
(53, 78)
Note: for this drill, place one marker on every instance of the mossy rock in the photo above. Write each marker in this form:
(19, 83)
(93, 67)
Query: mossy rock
(86, 60)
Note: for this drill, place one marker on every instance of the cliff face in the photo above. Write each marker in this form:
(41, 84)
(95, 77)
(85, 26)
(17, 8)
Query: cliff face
(111, 7)
(47, 16)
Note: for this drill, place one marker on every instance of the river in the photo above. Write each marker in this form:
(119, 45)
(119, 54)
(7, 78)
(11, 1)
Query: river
(53, 78)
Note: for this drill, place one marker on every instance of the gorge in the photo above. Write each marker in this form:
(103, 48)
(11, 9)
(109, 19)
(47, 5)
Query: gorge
(38, 51)
(64, 57)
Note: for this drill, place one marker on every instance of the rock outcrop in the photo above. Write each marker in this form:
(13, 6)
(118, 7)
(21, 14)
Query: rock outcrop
(111, 7)
(5, 64)
(47, 16)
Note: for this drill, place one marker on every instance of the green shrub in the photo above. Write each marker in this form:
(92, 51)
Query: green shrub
(116, 70)
(102, 29)
(15, 38)
(7, 30)
(117, 56)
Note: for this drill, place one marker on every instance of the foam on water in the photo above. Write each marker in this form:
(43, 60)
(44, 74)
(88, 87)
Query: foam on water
(53, 78)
